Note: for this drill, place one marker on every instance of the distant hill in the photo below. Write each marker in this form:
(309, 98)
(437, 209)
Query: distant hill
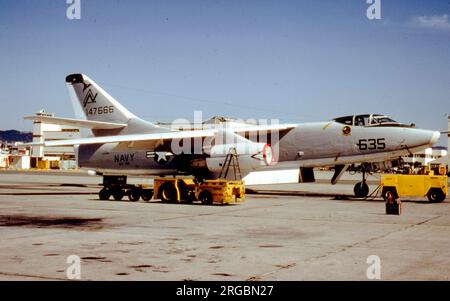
(13, 136)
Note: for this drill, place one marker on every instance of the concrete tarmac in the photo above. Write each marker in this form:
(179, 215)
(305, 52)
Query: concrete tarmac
(284, 232)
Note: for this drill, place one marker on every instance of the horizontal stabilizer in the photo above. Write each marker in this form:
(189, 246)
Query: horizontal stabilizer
(94, 125)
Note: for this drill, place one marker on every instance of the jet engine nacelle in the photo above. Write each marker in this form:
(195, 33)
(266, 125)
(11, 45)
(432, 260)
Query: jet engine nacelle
(250, 156)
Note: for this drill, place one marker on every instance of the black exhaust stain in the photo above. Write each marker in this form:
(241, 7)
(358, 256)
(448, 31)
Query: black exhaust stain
(50, 222)
(216, 247)
(51, 254)
(96, 258)
(222, 274)
(122, 274)
(141, 266)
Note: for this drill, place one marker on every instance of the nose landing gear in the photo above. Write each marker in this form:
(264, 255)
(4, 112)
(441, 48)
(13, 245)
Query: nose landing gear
(361, 189)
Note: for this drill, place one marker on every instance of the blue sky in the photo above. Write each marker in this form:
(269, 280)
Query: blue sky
(292, 60)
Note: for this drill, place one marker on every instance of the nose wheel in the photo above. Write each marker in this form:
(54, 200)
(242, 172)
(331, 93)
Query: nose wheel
(361, 189)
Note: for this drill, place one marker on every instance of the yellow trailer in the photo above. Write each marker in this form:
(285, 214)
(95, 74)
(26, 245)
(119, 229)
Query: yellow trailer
(430, 185)
(188, 190)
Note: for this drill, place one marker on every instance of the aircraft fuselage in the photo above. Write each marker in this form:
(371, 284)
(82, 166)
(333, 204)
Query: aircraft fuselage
(307, 145)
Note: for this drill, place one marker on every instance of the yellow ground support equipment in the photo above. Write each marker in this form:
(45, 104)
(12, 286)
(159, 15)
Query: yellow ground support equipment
(188, 190)
(430, 185)
(43, 164)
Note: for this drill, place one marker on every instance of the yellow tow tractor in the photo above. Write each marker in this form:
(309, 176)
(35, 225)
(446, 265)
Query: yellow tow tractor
(189, 190)
(435, 187)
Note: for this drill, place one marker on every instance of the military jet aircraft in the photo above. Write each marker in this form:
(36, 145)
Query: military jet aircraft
(123, 144)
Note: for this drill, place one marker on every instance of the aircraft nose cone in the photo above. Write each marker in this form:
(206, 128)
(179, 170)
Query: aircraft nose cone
(420, 138)
(435, 137)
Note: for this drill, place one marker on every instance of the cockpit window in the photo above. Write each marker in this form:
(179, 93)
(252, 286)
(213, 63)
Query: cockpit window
(367, 120)
(359, 121)
(382, 119)
(362, 120)
(348, 120)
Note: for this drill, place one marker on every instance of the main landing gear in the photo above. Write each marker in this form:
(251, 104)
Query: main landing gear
(361, 189)
(117, 187)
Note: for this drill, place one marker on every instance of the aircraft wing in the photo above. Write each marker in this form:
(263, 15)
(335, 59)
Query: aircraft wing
(95, 125)
(263, 128)
(125, 138)
(156, 136)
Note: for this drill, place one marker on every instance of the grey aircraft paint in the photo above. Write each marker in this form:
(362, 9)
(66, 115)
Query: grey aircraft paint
(343, 141)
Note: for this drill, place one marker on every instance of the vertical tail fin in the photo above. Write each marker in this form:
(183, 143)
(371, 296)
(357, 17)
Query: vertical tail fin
(95, 103)
(91, 102)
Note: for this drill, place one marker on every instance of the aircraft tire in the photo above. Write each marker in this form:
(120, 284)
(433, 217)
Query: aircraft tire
(361, 190)
(104, 194)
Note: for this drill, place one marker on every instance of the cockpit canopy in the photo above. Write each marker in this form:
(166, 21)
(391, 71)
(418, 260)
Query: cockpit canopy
(369, 120)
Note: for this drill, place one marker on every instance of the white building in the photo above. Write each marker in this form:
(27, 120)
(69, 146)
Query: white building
(4, 159)
(47, 132)
(426, 156)
(18, 157)
(434, 156)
